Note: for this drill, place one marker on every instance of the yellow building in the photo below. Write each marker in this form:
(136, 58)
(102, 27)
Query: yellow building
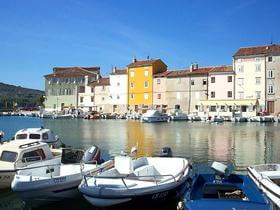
(140, 82)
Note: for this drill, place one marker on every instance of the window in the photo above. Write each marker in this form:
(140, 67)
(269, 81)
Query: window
(243, 108)
(270, 59)
(258, 94)
(81, 90)
(229, 78)
(229, 94)
(240, 81)
(103, 98)
(146, 84)
(81, 99)
(8, 156)
(270, 74)
(92, 98)
(270, 89)
(45, 136)
(132, 96)
(146, 73)
(223, 108)
(212, 79)
(192, 82)
(21, 136)
(204, 82)
(212, 94)
(132, 85)
(118, 84)
(258, 67)
(34, 136)
(258, 80)
(33, 156)
(146, 96)
(213, 109)
(158, 81)
(118, 97)
(158, 96)
(241, 94)
(241, 68)
(131, 73)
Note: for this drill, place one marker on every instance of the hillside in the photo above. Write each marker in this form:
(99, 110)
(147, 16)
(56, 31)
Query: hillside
(12, 96)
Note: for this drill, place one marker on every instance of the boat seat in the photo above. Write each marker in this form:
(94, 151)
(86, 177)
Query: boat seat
(123, 164)
(147, 170)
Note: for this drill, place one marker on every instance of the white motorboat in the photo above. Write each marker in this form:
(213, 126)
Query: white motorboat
(218, 119)
(39, 134)
(178, 115)
(18, 154)
(63, 116)
(267, 178)
(146, 179)
(53, 180)
(153, 115)
(46, 115)
(239, 119)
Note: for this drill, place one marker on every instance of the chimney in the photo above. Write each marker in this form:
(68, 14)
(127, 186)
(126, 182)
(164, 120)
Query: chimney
(114, 69)
(191, 67)
(97, 77)
(148, 57)
(134, 59)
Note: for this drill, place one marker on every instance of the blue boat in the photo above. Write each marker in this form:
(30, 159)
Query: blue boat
(220, 191)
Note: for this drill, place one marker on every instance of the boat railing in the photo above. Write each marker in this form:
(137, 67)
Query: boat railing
(129, 177)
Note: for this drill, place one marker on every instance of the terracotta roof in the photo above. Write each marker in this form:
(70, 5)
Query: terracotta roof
(101, 82)
(162, 74)
(222, 69)
(73, 72)
(142, 63)
(258, 50)
(185, 72)
(119, 71)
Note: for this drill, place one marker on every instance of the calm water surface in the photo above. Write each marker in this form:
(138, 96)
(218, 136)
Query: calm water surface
(243, 144)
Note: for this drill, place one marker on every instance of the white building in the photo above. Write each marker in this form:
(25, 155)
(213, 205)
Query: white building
(118, 90)
(249, 64)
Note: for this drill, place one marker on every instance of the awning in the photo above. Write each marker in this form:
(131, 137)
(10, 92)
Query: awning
(244, 102)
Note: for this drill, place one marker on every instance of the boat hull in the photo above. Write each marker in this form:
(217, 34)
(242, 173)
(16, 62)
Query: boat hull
(268, 187)
(154, 119)
(51, 193)
(6, 178)
(152, 197)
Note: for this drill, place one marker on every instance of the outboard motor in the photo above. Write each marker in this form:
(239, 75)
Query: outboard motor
(221, 170)
(92, 154)
(165, 152)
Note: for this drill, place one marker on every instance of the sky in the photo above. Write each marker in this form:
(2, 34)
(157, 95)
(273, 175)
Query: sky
(37, 35)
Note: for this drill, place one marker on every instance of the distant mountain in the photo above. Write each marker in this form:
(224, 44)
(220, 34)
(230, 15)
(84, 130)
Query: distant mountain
(12, 96)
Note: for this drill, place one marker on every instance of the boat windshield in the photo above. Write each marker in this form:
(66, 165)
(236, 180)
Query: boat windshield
(8, 156)
(34, 136)
(21, 136)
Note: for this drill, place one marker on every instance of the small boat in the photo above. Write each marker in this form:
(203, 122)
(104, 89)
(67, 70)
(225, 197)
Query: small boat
(57, 179)
(218, 119)
(153, 115)
(220, 190)
(63, 116)
(138, 181)
(39, 134)
(178, 115)
(267, 118)
(19, 154)
(267, 178)
(239, 119)
(46, 115)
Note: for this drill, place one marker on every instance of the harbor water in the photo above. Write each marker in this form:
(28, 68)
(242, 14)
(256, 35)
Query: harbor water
(241, 144)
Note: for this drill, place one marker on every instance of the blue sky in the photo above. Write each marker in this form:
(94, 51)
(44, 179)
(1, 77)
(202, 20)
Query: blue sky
(37, 35)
